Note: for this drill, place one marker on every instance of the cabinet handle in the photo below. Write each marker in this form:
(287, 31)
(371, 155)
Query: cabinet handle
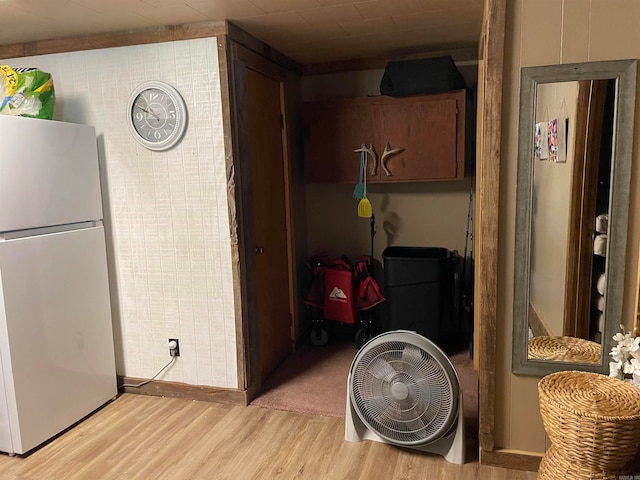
(373, 166)
(385, 156)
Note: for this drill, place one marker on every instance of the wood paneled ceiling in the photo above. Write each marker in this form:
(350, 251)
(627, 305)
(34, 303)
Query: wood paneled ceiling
(307, 31)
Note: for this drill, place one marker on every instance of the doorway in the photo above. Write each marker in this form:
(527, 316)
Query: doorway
(273, 286)
(260, 183)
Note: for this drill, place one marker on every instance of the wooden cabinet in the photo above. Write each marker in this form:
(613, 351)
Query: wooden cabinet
(428, 130)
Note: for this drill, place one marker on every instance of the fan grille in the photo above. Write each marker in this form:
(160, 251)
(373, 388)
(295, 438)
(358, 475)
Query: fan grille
(403, 392)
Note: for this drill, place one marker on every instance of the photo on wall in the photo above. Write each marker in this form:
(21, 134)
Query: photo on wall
(557, 139)
(552, 139)
(541, 142)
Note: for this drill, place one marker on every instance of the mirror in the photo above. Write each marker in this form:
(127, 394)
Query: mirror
(574, 166)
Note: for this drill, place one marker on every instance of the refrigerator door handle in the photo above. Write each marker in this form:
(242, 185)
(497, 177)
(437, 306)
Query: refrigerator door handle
(34, 232)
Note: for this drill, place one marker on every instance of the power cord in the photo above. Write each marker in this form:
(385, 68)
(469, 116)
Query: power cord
(171, 362)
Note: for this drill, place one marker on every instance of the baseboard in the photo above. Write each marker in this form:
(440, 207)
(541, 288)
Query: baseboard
(512, 459)
(183, 390)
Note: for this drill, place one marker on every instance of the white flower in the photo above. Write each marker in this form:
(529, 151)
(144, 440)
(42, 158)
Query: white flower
(626, 357)
(614, 370)
(627, 368)
(618, 354)
(618, 337)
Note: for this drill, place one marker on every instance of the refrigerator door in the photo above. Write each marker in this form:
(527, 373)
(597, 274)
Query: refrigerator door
(5, 433)
(49, 173)
(56, 339)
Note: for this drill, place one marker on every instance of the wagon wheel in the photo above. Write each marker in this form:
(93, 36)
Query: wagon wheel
(363, 335)
(319, 337)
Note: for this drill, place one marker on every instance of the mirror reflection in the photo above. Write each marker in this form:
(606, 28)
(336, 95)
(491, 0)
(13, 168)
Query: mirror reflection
(574, 160)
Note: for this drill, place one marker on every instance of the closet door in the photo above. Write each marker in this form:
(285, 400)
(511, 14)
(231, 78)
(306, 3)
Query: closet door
(270, 221)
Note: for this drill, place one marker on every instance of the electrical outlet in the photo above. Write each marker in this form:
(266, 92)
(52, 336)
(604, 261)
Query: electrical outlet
(174, 351)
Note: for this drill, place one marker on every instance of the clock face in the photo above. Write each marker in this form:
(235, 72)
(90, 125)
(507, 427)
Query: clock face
(157, 115)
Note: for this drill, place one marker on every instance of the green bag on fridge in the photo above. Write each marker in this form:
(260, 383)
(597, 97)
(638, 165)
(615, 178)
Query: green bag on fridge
(26, 92)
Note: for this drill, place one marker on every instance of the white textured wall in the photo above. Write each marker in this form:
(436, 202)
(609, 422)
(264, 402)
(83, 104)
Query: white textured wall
(166, 212)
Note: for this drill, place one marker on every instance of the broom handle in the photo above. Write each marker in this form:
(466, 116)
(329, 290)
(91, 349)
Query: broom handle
(372, 226)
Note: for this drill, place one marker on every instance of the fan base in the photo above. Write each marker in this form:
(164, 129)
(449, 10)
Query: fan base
(451, 446)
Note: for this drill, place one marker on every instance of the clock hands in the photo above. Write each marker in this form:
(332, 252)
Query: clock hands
(148, 111)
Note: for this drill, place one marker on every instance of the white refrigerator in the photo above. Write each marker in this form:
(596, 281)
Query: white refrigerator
(56, 340)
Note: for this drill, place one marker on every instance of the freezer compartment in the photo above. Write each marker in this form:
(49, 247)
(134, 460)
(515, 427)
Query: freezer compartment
(56, 339)
(49, 173)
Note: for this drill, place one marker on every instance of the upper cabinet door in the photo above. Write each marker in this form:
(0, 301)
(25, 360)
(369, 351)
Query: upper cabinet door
(423, 138)
(332, 131)
(414, 138)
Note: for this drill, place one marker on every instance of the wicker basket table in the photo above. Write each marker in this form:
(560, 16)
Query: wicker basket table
(565, 349)
(593, 422)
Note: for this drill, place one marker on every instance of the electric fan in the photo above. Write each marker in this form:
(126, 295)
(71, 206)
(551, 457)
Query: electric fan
(403, 390)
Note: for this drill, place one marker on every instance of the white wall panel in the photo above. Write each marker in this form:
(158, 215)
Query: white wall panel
(166, 212)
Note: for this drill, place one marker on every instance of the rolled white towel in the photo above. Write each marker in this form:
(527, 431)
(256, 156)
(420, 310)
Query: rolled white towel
(602, 223)
(600, 245)
(601, 322)
(598, 302)
(601, 284)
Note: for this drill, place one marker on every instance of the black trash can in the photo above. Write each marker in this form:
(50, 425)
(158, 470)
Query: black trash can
(418, 290)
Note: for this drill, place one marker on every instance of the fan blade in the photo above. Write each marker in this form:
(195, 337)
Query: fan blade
(375, 407)
(412, 354)
(415, 424)
(411, 360)
(380, 369)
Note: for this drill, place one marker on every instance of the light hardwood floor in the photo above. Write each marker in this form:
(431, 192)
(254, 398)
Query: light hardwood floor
(148, 438)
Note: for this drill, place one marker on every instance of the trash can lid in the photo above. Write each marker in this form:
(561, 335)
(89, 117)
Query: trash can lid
(416, 252)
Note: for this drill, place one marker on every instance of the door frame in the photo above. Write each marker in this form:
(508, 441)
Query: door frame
(582, 207)
(240, 195)
(489, 136)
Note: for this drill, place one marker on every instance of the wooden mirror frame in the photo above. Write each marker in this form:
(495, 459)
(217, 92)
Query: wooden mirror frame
(624, 73)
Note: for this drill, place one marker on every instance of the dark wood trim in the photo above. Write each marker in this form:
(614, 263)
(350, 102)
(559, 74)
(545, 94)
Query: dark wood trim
(236, 58)
(296, 189)
(239, 197)
(167, 33)
(160, 388)
(240, 58)
(375, 63)
(290, 210)
(571, 324)
(591, 101)
(636, 324)
(236, 265)
(257, 62)
(487, 201)
(597, 103)
(244, 199)
(258, 46)
(511, 459)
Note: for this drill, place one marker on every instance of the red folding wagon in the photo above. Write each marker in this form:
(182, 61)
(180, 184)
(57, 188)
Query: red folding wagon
(341, 292)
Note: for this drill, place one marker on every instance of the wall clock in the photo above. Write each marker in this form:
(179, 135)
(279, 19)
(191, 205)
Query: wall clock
(157, 115)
